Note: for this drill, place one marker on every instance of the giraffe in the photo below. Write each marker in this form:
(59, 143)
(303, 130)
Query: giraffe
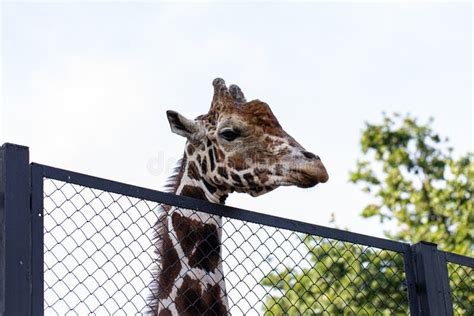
(238, 146)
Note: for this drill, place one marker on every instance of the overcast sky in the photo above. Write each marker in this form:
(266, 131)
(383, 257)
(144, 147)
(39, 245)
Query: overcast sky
(86, 85)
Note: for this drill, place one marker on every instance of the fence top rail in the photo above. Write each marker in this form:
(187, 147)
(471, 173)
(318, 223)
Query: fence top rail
(216, 209)
(458, 259)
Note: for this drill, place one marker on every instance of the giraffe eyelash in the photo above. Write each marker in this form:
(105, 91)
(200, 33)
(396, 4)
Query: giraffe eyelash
(229, 134)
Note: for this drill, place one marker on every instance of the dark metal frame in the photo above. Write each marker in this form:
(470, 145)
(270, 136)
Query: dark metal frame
(15, 234)
(21, 248)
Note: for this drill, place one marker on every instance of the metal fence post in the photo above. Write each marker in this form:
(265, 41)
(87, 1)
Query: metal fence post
(433, 290)
(37, 241)
(15, 231)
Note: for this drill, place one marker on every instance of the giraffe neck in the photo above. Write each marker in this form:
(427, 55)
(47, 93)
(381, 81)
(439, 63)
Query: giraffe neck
(191, 279)
(192, 184)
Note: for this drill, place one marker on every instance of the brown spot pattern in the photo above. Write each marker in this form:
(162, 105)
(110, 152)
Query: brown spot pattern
(191, 300)
(190, 150)
(194, 192)
(170, 267)
(223, 198)
(249, 178)
(237, 179)
(223, 172)
(257, 189)
(193, 171)
(212, 298)
(209, 187)
(200, 242)
(212, 159)
(165, 312)
(204, 165)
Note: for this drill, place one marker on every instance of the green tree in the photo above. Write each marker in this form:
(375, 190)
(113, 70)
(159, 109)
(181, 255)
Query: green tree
(340, 279)
(416, 183)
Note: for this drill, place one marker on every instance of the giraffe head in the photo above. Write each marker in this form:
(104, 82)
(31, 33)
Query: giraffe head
(240, 146)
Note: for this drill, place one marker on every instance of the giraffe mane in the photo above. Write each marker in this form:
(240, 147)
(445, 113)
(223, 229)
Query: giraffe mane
(161, 228)
(172, 182)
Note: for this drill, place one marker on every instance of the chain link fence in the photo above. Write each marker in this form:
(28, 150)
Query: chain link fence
(98, 250)
(99, 258)
(461, 281)
(74, 244)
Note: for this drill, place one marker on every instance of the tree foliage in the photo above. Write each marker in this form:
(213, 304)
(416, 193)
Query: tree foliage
(341, 279)
(416, 183)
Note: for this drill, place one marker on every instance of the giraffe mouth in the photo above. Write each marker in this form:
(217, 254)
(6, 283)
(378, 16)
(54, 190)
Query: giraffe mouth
(308, 178)
(302, 179)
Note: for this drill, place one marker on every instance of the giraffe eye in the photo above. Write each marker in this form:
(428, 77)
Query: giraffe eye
(229, 135)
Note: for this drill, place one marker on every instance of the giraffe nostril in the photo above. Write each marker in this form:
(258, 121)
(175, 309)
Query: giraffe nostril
(310, 155)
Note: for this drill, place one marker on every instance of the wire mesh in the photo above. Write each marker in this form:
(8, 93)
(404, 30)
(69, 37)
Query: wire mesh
(99, 258)
(461, 281)
(97, 250)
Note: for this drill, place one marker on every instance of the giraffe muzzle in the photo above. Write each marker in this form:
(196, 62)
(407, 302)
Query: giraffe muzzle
(309, 173)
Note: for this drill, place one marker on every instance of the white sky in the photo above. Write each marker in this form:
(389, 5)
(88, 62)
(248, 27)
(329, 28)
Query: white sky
(86, 85)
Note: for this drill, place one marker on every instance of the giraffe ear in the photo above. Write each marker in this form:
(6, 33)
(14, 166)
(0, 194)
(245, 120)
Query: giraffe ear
(181, 125)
